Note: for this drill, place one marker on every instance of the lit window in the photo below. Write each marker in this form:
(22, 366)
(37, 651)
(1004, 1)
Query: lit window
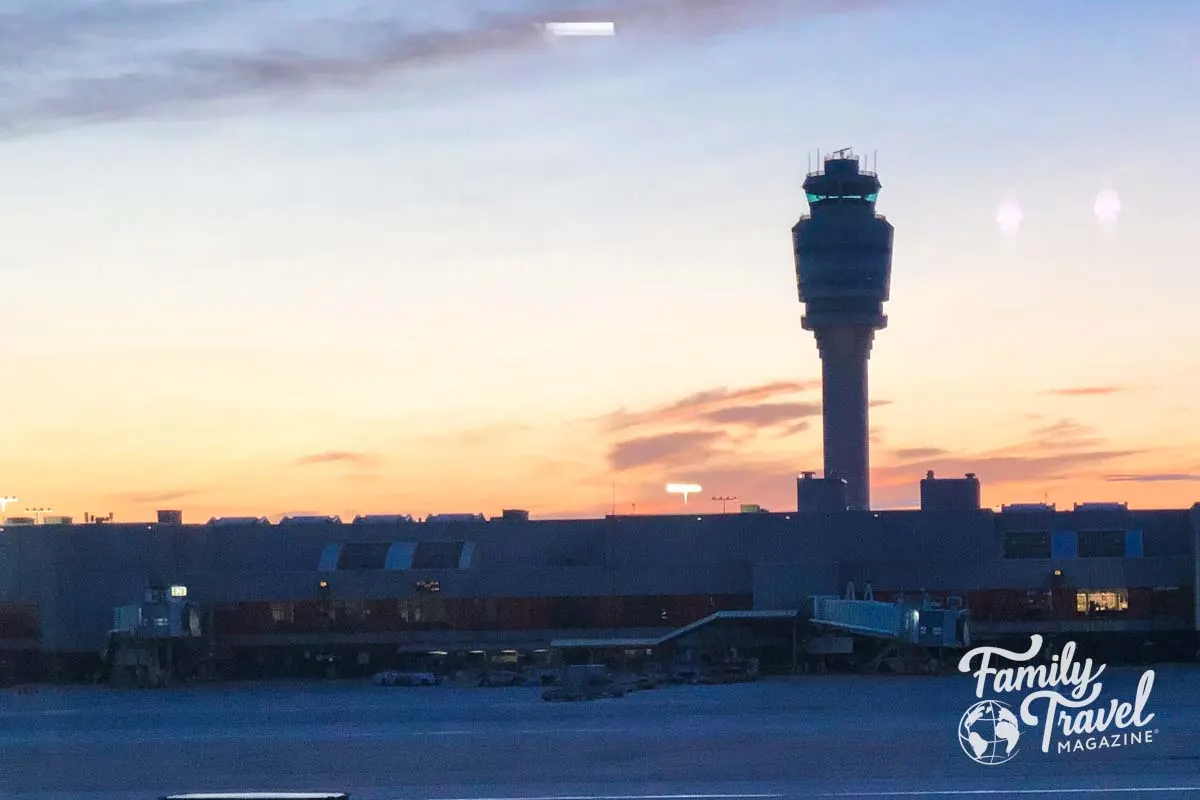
(1101, 602)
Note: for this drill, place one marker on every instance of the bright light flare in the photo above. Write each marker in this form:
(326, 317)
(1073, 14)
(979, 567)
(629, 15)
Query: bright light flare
(1009, 216)
(683, 488)
(580, 29)
(1107, 206)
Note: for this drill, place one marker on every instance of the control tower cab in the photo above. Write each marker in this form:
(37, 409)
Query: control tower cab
(843, 255)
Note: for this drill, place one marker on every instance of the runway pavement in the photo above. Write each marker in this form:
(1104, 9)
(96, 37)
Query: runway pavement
(829, 736)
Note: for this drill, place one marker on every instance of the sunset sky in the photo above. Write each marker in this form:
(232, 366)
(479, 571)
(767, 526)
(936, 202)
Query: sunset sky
(361, 266)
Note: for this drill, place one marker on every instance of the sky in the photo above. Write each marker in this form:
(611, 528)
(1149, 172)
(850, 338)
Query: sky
(320, 257)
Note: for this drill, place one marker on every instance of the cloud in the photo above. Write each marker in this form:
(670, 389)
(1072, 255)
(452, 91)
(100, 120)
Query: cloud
(1065, 434)
(799, 427)
(187, 73)
(1086, 391)
(880, 403)
(42, 30)
(157, 496)
(666, 450)
(1053, 452)
(1160, 477)
(339, 457)
(721, 401)
(692, 429)
(914, 453)
(763, 415)
(1002, 469)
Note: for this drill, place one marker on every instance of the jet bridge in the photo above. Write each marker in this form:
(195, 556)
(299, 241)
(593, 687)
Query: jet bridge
(924, 623)
(866, 617)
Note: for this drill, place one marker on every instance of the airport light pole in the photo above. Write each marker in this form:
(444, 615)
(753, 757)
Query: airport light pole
(723, 500)
(683, 489)
(38, 513)
(4, 501)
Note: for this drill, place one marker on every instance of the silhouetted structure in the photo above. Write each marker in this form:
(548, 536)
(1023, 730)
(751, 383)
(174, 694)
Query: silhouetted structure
(820, 495)
(950, 494)
(843, 271)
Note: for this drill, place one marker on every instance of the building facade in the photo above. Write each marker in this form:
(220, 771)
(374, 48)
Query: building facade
(396, 584)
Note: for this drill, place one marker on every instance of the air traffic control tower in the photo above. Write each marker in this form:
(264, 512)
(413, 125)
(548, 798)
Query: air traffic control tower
(844, 272)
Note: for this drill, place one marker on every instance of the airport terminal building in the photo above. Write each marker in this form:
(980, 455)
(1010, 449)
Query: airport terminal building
(379, 587)
(373, 589)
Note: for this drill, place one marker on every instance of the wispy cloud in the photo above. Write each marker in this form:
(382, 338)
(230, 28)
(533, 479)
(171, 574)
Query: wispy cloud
(763, 414)
(721, 401)
(1066, 434)
(339, 457)
(289, 58)
(665, 450)
(1086, 391)
(154, 496)
(916, 453)
(996, 469)
(1049, 453)
(1154, 477)
(706, 426)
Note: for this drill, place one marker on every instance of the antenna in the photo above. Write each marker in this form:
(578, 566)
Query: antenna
(809, 155)
(874, 161)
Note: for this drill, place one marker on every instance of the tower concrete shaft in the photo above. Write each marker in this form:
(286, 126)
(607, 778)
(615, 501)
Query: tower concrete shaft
(843, 255)
(844, 402)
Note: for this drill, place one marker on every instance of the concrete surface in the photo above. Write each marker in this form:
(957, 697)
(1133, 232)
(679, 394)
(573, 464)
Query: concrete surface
(814, 736)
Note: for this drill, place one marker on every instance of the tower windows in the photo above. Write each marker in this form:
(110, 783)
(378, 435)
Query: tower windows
(820, 198)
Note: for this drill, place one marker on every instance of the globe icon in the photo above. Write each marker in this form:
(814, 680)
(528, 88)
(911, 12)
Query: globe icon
(989, 732)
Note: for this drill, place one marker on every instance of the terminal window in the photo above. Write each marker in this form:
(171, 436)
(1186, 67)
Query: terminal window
(1027, 544)
(1102, 544)
(363, 555)
(437, 555)
(1101, 602)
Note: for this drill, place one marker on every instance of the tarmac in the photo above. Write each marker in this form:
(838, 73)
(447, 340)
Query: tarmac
(811, 736)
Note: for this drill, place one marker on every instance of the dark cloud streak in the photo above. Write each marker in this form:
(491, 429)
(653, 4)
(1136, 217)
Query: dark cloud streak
(1086, 391)
(1161, 477)
(159, 496)
(186, 76)
(338, 457)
